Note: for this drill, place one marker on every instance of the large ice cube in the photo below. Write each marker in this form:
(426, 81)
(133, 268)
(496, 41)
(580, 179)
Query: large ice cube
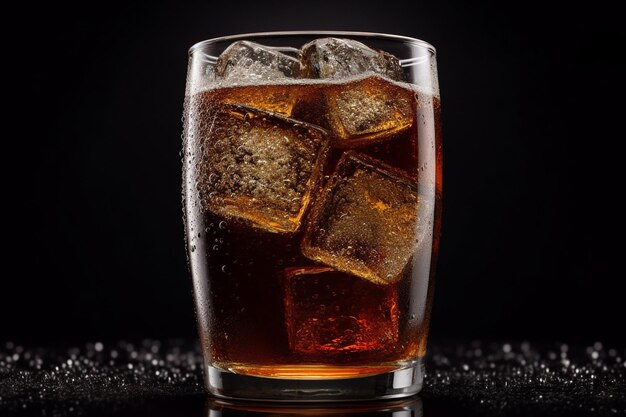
(366, 222)
(259, 166)
(368, 110)
(247, 62)
(328, 312)
(340, 58)
(274, 98)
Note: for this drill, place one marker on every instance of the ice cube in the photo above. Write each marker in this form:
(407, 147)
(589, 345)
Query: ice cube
(300, 101)
(259, 166)
(369, 110)
(248, 62)
(366, 222)
(328, 312)
(274, 98)
(340, 58)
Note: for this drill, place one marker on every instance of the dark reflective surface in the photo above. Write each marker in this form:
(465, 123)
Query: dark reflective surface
(164, 378)
(199, 405)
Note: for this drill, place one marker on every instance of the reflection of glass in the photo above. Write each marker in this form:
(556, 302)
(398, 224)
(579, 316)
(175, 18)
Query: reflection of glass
(312, 182)
(403, 408)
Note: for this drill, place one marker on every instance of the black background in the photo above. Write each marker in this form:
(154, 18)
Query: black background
(533, 108)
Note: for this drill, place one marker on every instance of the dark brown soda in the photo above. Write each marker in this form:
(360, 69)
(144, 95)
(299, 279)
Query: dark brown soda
(254, 287)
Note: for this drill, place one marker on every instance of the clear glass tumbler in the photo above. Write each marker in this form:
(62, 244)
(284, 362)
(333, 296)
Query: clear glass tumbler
(312, 199)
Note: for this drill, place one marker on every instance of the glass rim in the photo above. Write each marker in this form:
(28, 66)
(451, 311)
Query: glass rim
(383, 36)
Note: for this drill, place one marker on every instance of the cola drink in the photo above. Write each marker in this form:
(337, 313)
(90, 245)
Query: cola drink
(312, 183)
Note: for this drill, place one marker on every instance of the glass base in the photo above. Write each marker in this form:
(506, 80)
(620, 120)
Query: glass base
(400, 383)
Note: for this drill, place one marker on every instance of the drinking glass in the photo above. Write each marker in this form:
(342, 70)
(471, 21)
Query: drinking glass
(312, 201)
